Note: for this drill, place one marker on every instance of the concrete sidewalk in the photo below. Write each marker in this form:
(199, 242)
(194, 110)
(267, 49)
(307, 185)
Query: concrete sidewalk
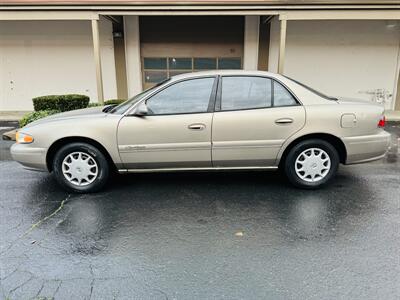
(392, 115)
(12, 115)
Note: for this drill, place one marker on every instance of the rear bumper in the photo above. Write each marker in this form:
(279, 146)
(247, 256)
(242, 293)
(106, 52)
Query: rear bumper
(31, 158)
(361, 149)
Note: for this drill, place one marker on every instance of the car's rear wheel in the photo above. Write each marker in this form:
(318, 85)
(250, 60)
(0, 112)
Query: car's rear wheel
(81, 168)
(311, 163)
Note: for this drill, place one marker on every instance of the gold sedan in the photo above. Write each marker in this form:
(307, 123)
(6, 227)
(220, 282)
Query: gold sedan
(219, 120)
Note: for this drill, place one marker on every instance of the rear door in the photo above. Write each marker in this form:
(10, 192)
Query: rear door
(176, 132)
(253, 118)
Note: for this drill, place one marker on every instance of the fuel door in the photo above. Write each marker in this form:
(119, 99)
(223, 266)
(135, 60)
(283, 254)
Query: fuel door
(348, 121)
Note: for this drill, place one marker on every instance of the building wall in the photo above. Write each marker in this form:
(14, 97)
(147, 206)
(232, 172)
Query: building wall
(52, 57)
(341, 58)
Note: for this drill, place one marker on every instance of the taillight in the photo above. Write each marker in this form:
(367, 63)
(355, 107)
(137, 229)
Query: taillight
(382, 122)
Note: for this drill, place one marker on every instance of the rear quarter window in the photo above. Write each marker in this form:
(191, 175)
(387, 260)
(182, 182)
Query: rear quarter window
(282, 97)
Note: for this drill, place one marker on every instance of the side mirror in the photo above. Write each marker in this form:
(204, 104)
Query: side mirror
(109, 107)
(141, 110)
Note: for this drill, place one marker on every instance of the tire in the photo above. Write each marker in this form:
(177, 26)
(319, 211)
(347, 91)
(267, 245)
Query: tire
(311, 164)
(81, 168)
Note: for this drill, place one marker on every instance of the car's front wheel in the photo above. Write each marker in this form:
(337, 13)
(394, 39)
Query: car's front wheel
(311, 163)
(81, 168)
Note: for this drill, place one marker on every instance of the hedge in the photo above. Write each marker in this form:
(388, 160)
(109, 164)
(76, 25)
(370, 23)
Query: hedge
(94, 104)
(60, 102)
(49, 105)
(114, 101)
(36, 115)
(107, 102)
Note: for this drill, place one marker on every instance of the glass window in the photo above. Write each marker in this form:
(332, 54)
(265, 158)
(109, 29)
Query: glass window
(205, 63)
(174, 73)
(180, 63)
(282, 97)
(155, 63)
(229, 63)
(190, 96)
(123, 107)
(245, 92)
(155, 76)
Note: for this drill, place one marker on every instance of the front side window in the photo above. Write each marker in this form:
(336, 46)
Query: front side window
(245, 92)
(282, 97)
(190, 96)
(123, 107)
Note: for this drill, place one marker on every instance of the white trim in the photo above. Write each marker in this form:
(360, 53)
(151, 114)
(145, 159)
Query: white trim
(282, 44)
(132, 55)
(396, 84)
(304, 12)
(121, 8)
(97, 60)
(42, 15)
(251, 41)
(193, 13)
(342, 15)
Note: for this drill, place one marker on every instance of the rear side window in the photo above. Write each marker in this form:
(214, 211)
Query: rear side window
(245, 92)
(282, 97)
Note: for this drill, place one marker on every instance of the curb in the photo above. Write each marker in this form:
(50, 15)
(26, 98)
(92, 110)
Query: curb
(10, 128)
(10, 135)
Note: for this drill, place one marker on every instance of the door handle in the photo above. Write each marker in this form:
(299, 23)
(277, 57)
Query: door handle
(197, 126)
(284, 121)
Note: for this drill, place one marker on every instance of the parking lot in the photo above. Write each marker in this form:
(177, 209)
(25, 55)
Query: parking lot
(238, 235)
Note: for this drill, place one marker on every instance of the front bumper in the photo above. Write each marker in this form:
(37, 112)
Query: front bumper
(31, 158)
(366, 148)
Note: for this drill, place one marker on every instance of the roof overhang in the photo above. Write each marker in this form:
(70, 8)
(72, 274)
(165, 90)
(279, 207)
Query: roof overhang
(198, 2)
(287, 9)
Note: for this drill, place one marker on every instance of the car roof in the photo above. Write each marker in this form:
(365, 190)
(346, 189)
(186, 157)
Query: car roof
(224, 73)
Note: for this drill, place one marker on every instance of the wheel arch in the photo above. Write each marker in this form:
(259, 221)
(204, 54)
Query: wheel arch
(58, 144)
(336, 142)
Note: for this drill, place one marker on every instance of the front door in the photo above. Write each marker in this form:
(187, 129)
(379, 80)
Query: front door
(254, 117)
(176, 132)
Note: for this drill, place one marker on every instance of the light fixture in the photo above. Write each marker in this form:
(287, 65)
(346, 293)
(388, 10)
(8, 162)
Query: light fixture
(118, 34)
(390, 24)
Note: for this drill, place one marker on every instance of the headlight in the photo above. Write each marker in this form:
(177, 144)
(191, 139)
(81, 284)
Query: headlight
(23, 138)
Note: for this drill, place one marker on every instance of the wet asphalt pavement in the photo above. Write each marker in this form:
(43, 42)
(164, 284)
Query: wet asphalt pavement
(202, 236)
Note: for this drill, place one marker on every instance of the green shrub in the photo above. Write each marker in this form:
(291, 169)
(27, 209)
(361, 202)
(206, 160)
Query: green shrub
(114, 101)
(72, 102)
(60, 102)
(45, 102)
(94, 104)
(36, 115)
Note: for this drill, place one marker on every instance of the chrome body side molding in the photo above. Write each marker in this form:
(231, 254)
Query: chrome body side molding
(195, 169)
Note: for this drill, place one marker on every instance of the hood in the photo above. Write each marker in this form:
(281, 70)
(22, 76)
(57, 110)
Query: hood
(79, 113)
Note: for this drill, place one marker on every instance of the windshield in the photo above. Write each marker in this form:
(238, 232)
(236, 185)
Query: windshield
(313, 90)
(123, 107)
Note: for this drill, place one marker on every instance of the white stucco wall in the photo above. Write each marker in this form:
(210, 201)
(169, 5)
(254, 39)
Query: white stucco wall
(341, 58)
(52, 57)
